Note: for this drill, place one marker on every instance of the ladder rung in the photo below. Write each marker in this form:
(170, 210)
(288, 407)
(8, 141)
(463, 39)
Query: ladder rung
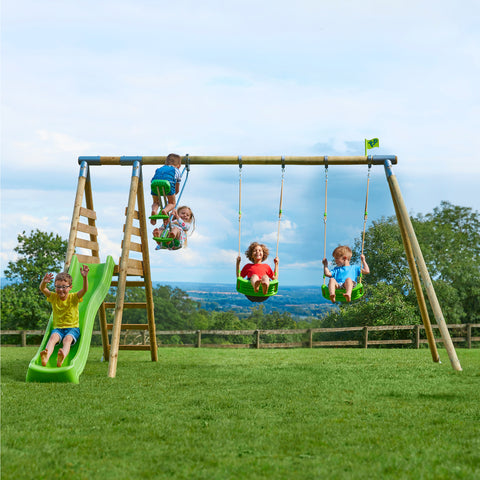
(127, 305)
(130, 326)
(134, 347)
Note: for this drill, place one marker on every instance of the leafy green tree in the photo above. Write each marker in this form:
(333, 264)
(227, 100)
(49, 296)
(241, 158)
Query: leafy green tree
(23, 306)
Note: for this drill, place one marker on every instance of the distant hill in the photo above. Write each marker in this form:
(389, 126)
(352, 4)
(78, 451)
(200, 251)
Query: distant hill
(298, 301)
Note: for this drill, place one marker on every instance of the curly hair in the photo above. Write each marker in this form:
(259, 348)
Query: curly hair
(342, 251)
(64, 277)
(249, 251)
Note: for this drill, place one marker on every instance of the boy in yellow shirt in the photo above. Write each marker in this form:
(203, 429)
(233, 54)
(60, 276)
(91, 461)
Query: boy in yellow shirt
(66, 326)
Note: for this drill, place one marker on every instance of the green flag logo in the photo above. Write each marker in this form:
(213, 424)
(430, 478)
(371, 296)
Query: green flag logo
(372, 143)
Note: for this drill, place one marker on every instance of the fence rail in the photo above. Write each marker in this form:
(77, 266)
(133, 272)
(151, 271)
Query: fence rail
(465, 333)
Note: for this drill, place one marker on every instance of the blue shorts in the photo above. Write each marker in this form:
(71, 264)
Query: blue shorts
(63, 332)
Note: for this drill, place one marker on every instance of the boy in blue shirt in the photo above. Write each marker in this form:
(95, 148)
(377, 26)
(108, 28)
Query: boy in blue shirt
(343, 275)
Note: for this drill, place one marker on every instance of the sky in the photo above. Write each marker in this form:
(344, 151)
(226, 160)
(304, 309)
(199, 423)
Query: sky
(145, 77)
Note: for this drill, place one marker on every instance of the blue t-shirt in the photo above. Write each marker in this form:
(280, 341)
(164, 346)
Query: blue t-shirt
(340, 274)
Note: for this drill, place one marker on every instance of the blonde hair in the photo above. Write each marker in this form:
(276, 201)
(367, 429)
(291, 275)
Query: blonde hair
(173, 159)
(192, 218)
(249, 251)
(342, 251)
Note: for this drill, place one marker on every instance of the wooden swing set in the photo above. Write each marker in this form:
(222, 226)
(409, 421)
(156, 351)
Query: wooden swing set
(136, 239)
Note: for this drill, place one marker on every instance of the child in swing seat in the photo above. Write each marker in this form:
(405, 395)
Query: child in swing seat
(65, 313)
(257, 272)
(170, 172)
(182, 221)
(343, 275)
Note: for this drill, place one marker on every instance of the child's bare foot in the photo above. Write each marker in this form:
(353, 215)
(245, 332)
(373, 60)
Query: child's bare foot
(348, 297)
(332, 298)
(265, 288)
(156, 232)
(44, 357)
(256, 286)
(60, 358)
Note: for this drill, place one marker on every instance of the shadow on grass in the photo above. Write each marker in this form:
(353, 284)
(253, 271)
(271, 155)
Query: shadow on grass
(14, 370)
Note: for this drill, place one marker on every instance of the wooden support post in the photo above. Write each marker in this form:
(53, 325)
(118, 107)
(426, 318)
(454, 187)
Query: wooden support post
(257, 341)
(310, 338)
(365, 336)
(432, 297)
(199, 338)
(82, 179)
(24, 338)
(147, 273)
(469, 335)
(416, 280)
(104, 330)
(417, 337)
(123, 271)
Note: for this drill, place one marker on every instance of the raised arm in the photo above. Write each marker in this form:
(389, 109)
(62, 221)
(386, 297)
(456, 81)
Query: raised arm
(275, 271)
(84, 272)
(239, 259)
(365, 267)
(326, 271)
(43, 284)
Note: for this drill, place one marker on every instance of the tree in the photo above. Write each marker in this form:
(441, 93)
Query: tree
(23, 306)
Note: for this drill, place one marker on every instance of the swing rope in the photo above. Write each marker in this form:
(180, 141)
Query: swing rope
(366, 213)
(325, 216)
(324, 288)
(280, 207)
(244, 286)
(239, 204)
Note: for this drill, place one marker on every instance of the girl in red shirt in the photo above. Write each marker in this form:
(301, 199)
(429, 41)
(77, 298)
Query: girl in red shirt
(257, 272)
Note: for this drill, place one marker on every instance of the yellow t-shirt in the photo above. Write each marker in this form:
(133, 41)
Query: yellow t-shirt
(65, 313)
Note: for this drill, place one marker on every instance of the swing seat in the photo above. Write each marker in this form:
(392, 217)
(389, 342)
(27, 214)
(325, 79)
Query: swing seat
(357, 293)
(246, 288)
(161, 185)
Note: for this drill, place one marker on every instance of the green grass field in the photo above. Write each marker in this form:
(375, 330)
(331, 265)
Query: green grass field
(246, 414)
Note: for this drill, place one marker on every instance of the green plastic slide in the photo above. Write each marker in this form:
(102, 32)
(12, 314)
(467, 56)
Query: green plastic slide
(99, 280)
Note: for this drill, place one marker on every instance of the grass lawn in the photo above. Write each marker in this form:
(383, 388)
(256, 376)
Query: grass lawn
(246, 414)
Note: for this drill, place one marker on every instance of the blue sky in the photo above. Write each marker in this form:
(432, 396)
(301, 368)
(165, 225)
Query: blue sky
(237, 78)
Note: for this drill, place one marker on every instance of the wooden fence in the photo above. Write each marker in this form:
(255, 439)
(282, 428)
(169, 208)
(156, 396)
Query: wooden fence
(363, 337)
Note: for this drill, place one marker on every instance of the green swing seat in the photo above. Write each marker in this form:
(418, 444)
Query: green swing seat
(162, 186)
(246, 288)
(357, 293)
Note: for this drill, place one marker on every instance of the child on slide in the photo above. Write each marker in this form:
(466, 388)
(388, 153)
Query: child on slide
(65, 313)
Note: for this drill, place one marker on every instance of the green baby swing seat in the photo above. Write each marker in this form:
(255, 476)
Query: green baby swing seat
(357, 293)
(246, 288)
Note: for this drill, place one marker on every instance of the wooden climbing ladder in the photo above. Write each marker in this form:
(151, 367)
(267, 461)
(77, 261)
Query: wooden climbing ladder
(135, 239)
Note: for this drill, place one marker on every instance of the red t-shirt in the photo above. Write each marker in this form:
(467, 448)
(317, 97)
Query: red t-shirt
(259, 269)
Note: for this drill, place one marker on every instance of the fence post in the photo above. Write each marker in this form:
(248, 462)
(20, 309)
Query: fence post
(257, 339)
(310, 338)
(24, 338)
(417, 336)
(199, 338)
(469, 335)
(365, 336)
